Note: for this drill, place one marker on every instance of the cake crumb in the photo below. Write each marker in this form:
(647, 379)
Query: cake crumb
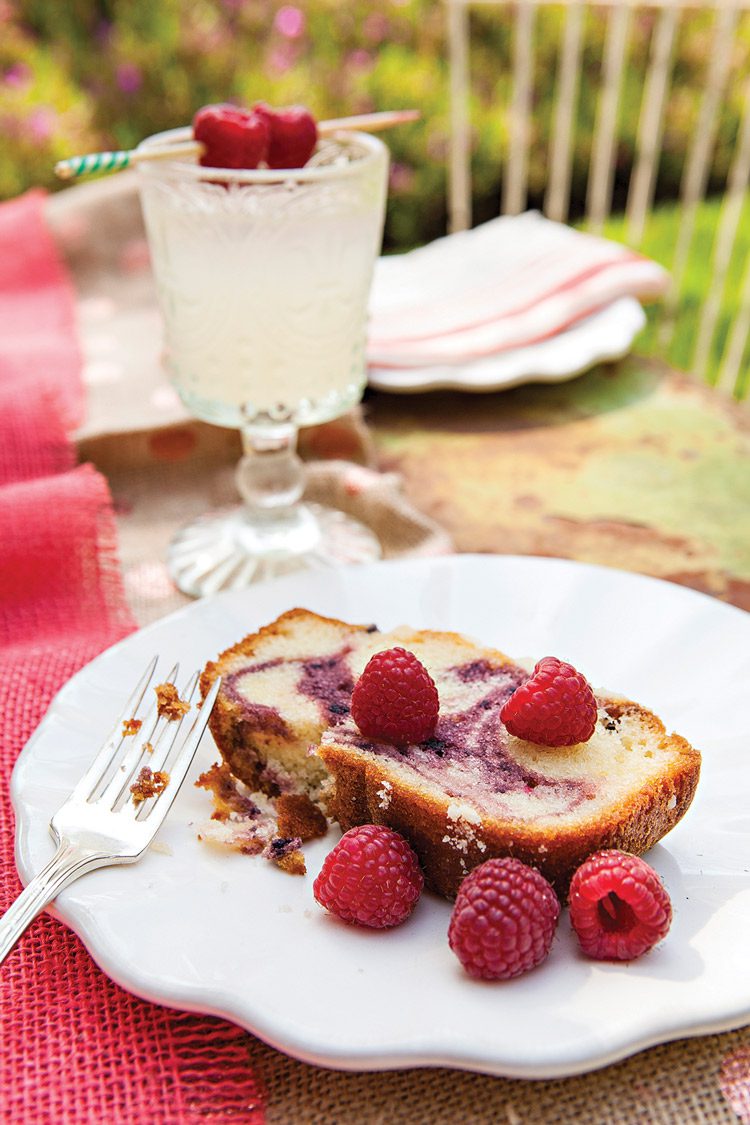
(162, 848)
(459, 843)
(285, 853)
(256, 823)
(384, 794)
(148, 784)
(131, 726)
(168, 702)
(298, 816)
(224, 788)
(459, 810)
(462, 822)
(237, 836)
(294, 863)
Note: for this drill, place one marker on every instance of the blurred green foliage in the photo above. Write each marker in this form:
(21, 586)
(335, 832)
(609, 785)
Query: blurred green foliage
(82, 75)
(659, 240)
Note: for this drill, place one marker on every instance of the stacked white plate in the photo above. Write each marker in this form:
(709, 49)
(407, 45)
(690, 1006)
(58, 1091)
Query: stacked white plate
(518, 299)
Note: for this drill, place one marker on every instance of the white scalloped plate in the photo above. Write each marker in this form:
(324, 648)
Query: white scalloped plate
(604, 336)
(228, 934)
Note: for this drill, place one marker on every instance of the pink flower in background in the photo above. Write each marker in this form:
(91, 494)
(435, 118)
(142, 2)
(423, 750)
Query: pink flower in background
(41, 122)
(17, 75)
(280, 59)
(129, 78)
(290, 21)
(375, 27)
(401, 178)
(359, 59)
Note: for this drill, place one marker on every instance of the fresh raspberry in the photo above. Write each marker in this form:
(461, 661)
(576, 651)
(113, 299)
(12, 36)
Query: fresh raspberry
(293, 135)
(504, 920)
(395, 699)
(233, 137)
(371, 878)
(555, 707)
(618, 906)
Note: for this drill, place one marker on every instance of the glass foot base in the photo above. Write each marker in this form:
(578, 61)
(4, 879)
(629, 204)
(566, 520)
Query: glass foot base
(226, 551)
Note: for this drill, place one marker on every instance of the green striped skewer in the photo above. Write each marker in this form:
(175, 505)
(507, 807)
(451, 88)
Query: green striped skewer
(76, 166)
(183, 147)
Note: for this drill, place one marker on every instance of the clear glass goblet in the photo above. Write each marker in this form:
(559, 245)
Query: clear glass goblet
(263, 280)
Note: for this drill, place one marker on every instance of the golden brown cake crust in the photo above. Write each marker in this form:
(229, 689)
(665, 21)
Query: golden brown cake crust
(298, 816)
(634, 824)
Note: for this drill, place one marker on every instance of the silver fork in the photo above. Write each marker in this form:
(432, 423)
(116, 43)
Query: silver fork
(100, 823)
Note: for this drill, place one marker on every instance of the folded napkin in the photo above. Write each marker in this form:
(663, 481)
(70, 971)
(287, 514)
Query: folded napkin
(504, 285)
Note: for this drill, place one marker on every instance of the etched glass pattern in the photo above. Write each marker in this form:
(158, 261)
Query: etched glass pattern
(264, 285)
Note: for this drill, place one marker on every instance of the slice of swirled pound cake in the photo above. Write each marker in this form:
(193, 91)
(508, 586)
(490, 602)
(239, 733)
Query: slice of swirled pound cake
(281, 688)
(472, 791)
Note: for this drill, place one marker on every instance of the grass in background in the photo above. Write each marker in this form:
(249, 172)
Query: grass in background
(659, 243)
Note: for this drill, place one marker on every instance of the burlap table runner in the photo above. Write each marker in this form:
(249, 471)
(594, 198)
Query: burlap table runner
(74, 1048)
(169, 469)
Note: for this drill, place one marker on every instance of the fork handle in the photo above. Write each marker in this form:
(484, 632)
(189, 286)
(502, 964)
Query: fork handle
(67, 864)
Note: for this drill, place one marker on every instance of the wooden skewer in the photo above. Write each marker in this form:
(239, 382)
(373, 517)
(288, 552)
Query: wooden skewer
(76, 166)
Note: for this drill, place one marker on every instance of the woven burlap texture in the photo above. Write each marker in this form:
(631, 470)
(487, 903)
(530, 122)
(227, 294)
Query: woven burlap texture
(677, 1084)
(75, 1048)
(155, 498)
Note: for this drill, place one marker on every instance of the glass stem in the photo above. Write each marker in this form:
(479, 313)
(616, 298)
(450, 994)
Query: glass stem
(270, 476)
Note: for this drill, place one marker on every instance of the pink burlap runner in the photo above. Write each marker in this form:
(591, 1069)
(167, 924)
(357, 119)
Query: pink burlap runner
(75, 1048)
(37, 310)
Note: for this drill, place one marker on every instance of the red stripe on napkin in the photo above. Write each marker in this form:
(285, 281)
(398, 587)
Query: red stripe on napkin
(504, 285)
(75, 1048)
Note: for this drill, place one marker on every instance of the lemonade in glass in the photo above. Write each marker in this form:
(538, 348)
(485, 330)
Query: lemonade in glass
(263, 279)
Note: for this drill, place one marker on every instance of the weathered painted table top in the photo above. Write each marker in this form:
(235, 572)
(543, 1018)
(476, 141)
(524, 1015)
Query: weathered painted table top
(630, 465)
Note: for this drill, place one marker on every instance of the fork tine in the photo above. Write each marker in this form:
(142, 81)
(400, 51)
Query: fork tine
(184, 759)
(122, 776)
(112, 744)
